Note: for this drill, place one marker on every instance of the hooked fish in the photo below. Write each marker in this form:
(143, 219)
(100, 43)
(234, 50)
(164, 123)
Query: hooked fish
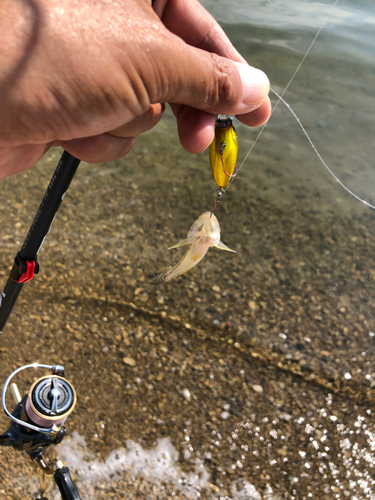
(203, 234)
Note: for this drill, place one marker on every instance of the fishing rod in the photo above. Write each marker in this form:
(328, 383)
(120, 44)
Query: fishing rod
(25, 262)
(36, 421)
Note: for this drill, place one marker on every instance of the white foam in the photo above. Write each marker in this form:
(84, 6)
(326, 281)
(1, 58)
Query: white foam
(157, 465)
(243, 490)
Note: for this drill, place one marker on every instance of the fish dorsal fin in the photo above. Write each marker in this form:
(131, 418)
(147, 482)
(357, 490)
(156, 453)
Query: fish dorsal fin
(223, 246)
(181, 243)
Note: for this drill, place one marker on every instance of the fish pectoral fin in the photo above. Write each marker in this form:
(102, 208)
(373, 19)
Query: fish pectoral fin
(181, 243)
(222, 246)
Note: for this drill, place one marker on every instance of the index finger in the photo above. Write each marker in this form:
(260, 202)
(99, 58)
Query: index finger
(189, 20)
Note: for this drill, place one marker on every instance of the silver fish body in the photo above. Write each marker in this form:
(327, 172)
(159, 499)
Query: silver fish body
(203, 234)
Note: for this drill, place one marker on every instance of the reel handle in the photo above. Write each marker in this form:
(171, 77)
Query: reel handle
(65, 484)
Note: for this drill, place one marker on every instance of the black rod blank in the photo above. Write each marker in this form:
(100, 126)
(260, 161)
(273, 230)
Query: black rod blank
(42, 222)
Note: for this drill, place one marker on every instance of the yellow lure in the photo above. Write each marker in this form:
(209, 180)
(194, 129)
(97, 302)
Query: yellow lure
(223, 151)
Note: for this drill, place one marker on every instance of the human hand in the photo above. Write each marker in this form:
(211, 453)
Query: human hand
(91, 76)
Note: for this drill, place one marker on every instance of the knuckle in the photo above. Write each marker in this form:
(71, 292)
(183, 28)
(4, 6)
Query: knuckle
(225, 87)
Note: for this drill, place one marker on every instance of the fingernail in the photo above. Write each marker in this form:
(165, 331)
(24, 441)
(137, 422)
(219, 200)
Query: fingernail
(255, 84)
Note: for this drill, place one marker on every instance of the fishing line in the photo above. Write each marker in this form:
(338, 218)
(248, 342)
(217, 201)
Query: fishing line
(320, 156)
(333, 6)
(280, 98)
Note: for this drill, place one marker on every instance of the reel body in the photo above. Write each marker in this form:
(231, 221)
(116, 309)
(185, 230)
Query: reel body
(47, 405)
(37, 423)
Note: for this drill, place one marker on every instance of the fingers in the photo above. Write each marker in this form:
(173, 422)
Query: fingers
(183, 74)
(257, 117)
(20, 158)
(115, 144)
(97, 149)
(189, 20)
(95, 84)
(195, 128)
(141, 123)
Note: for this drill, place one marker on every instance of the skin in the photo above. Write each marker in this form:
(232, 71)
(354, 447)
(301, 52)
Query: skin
(91, 75)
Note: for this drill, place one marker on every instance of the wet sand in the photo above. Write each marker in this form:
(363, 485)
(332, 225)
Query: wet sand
(262, 359)
(252, 376)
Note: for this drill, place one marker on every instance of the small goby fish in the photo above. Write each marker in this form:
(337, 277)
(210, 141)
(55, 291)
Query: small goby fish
(203, 234)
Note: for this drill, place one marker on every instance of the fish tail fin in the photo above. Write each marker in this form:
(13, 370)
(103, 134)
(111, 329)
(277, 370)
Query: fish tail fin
(189, 260)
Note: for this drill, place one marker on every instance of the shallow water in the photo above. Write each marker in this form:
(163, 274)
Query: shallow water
(256, 369)
(331, 93)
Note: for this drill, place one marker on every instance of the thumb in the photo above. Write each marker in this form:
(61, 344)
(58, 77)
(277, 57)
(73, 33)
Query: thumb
(183, 74)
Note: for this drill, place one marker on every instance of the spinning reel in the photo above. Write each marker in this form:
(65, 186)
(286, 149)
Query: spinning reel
(37, 422)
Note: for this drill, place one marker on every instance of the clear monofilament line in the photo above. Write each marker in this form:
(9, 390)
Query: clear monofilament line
(319, 155)
(333, 6)
(280, 98)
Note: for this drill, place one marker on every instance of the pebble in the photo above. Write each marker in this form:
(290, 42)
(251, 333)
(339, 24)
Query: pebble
(186, 393)
(198, 352)
(129, 361)
(282, 451)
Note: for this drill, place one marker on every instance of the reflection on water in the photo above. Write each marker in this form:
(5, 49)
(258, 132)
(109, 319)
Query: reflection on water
(332, 92)
(252, 376)
(336, 449)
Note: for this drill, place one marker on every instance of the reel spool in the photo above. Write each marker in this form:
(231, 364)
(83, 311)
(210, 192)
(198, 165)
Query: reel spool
(48, 403)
